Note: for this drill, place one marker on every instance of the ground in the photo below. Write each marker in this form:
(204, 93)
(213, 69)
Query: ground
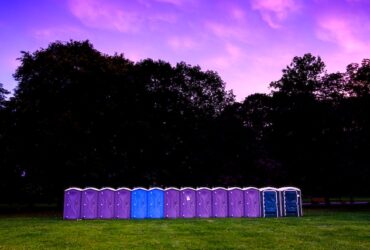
(318, 229)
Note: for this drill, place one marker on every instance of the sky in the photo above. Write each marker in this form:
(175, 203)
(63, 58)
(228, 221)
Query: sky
(248, 42)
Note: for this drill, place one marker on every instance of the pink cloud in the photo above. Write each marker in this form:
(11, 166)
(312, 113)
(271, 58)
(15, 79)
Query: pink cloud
(228, 56)
(105, 15)
(343, 32)
(227, 31)
(237, 13)
(273, 12)
(177, 43)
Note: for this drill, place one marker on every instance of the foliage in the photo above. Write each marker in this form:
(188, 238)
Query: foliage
(82, 118)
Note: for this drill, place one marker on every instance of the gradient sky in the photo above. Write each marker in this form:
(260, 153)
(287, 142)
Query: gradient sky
(248, 42)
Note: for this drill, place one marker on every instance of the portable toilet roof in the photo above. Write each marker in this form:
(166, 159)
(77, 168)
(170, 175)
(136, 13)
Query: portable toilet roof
(73, 188)
(215, 188)
(288, 188)
(246, 188)
(123, 188)
(107, 188)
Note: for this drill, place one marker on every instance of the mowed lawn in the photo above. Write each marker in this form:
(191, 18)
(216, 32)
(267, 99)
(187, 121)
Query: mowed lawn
(318, 229)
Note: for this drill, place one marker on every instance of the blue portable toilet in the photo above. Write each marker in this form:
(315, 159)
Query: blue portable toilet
(270, 202)
(290, 201)
(139, 203)
(155, 203)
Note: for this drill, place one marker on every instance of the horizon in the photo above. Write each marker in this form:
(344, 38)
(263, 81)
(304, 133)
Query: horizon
(247, 43)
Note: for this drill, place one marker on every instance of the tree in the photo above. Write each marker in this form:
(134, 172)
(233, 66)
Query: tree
(302, 76)
(332, 88)
(85, 118)
(3, 93)
(358, 78)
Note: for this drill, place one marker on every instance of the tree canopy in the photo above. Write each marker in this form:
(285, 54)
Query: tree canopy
(82, 118)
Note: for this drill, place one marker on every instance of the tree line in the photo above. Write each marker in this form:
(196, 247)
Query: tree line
(82, 118)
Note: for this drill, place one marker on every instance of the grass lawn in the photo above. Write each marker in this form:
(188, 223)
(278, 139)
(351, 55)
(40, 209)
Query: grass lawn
(318, 229)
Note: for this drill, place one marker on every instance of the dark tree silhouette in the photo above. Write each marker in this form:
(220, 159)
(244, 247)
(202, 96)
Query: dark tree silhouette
(82, 118)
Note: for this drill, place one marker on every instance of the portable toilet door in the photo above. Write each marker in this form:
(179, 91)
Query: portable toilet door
(172, 203)
(139, 203)
(270, 202)
(291, 201)
(219, 202)
(155, 203)
(106, 203)
(252, 204)
(187, 203)
(122, 199)
(204, 202)
(236, 202)
(72, 204)
(89, 200)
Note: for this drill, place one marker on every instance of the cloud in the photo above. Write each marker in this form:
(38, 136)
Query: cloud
(237, 13)
(227, 31)
(343, 32)
(177, 43)
(228, 56)
(58, 33)
(104, 15)
(173, 2)
(273, 12)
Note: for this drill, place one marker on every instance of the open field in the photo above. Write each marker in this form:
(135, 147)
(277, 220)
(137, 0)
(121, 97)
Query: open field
(318, 229)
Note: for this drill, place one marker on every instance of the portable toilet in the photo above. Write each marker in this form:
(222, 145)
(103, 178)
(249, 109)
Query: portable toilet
(89, 201)
(106, 203)
(236, 202)
(219, 202)
(270, 202)
(72, 204)
(204, 202)
(290, 201)
(172, 203)
(139, 206)
(122, 200)
(187, 202)
(252, 204)
(155, 203)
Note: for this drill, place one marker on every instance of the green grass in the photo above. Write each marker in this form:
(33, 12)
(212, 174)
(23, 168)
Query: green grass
(318, 229)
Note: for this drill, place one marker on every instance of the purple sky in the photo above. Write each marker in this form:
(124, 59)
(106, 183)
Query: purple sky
(248, 42)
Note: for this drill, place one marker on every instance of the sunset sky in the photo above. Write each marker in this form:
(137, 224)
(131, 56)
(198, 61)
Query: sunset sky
(248, 42)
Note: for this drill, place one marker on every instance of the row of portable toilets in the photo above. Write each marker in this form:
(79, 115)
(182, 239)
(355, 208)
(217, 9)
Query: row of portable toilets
(171, 203)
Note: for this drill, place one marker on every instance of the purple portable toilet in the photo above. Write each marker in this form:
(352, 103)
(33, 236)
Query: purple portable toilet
(187, 203)
(106, 203)
(89, 202)
(204, 202)
(171, 203)
(219, 202)
(72, 202)
(122, 199)
(252, 204)
(236, 202)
